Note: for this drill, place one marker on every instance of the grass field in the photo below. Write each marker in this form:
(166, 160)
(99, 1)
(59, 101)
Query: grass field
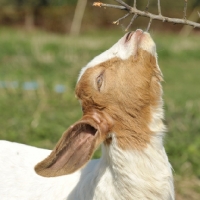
(38, 73)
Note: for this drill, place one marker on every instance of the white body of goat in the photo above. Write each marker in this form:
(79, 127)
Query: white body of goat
(120, 94)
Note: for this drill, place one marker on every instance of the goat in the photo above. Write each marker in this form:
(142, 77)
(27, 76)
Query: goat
(121, 97)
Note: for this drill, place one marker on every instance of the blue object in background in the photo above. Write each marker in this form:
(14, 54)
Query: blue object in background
(9, 84)
(59, 88)
(30, 85)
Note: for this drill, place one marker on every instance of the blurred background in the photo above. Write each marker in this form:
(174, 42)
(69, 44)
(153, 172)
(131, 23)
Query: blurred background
(45, 43)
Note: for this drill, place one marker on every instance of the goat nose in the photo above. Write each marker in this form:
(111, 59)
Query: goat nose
(139, 31)
(138, 34)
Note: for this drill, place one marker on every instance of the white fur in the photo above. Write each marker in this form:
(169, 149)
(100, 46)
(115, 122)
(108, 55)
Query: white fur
(18, 180)
(122, 50)
(117, 175)
(122, 175)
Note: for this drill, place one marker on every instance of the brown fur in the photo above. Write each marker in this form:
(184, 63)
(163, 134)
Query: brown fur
(130, 88)
(117, 96)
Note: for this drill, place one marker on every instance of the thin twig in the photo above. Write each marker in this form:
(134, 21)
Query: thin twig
(123, 4)
(159, 8)
(117, 21)
(198, 13)
(99, 4)
(148, 27)
(132, 20)
(160, 17)
(147, 7)
(185, 10)
(134, 4)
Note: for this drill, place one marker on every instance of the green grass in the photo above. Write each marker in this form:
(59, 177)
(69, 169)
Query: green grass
(39, 117)
(179, 58)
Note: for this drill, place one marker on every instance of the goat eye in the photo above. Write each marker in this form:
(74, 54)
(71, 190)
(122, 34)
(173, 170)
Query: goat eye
(99, 81)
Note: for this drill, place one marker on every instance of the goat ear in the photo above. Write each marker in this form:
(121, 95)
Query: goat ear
(74, 150)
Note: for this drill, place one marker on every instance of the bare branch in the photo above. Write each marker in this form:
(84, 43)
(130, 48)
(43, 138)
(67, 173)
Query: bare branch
(148, 27)
(147, 7)
(123, 4)
(131, 22)
(99, 4)
(134, 4)
(133, 10)
(159, 8)
(185, 10)
(117, 21)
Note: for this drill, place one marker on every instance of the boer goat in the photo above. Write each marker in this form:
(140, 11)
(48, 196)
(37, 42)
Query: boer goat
(121, 97)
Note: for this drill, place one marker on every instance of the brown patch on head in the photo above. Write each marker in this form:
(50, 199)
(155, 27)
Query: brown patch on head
(117, 97)
(127, 91)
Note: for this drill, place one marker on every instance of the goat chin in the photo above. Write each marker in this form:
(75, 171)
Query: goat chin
(121, 97)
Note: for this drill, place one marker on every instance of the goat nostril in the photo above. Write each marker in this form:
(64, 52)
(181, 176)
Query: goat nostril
(128, 36)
